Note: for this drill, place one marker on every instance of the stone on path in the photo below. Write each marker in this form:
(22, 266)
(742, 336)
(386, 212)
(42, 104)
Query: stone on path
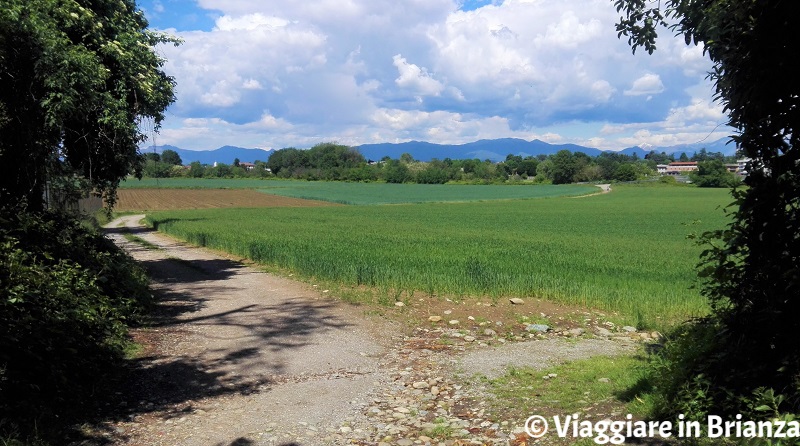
(602, 331)
(541, 328)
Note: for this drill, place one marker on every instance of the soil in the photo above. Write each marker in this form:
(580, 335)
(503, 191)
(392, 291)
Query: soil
(237, 356)
(166, 199)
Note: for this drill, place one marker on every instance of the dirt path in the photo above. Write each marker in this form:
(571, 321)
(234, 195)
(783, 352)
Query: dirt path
(236, 356)
(238, 352)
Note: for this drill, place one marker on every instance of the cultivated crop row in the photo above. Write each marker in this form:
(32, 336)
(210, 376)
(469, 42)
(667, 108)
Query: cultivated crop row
(626, 251)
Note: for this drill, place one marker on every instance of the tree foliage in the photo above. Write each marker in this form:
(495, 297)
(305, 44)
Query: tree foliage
(78, 78)
(171, 157)
(564, 167)
(713, 173)
(67, 294)
(751, 268)
(323, 161)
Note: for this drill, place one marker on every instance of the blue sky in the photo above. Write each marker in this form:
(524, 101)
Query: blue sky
(293, 73)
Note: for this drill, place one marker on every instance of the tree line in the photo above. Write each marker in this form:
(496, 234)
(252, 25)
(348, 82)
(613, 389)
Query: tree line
(336, 162)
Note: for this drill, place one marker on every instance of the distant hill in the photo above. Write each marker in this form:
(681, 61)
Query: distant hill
(498, 149)
(226, 154)
(720, 145)
(636, 150)
(492, 149)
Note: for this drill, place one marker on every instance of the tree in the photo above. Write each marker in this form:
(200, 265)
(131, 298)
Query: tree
(433, 173)
(196, 169)
(222, 170)
(78, 77)
(171, 157)
(327, 156)
(406, 158)
(528, 166)
(156, 169)
(511, 164)
(544, 172)
(396, 172)
(659, 158)
(152, 156)
(625, 172)
(751, 267)
(288, 159)
(713, 173)
(564, 167)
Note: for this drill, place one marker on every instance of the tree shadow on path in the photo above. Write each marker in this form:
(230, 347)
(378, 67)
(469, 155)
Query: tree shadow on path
(247, 344)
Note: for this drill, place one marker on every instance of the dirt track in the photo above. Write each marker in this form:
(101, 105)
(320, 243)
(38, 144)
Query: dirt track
(243, 349)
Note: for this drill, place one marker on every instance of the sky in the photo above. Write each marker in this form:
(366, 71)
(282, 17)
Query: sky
(293, 73)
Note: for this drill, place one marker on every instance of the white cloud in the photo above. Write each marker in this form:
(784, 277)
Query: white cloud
(700, 119)
(222, 94)
(252, 84)
(214, 69)
(250, 22)
(602, 90)
(269, 122)
(569, 32)
(415, 78)
(360, 71)
(649, 84)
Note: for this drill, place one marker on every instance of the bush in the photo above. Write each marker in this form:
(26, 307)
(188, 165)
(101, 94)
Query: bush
(667, 179)
(690, 376)
(67, 295)
(713, 174)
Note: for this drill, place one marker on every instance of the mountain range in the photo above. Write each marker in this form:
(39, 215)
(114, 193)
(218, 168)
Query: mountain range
(492, 149)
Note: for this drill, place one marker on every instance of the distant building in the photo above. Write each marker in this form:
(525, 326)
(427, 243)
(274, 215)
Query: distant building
(680, 168)
(662, 169)
(247, 166)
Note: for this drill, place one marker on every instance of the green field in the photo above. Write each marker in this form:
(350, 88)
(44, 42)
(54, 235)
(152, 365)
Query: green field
(372, 193)
(625, 251)
(381, 193)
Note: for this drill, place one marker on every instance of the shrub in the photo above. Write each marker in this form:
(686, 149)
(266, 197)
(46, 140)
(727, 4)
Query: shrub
(67, 295)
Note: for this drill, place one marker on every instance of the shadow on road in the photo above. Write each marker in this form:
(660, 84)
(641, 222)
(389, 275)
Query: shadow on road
(167, 379)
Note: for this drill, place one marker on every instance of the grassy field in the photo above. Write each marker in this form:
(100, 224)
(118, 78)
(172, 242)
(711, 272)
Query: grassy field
(368, 193)
(382, 193)
(625, 251)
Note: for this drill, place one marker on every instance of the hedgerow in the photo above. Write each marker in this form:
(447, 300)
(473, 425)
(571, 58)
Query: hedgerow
(67, 296)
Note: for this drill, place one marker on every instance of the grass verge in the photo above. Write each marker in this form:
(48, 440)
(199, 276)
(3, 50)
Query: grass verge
(595, 388)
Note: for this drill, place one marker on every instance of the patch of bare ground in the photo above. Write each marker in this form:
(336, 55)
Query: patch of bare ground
(129, 200)
(604, 189)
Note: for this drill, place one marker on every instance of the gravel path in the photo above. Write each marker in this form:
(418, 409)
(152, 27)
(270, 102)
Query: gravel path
(236, 356)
